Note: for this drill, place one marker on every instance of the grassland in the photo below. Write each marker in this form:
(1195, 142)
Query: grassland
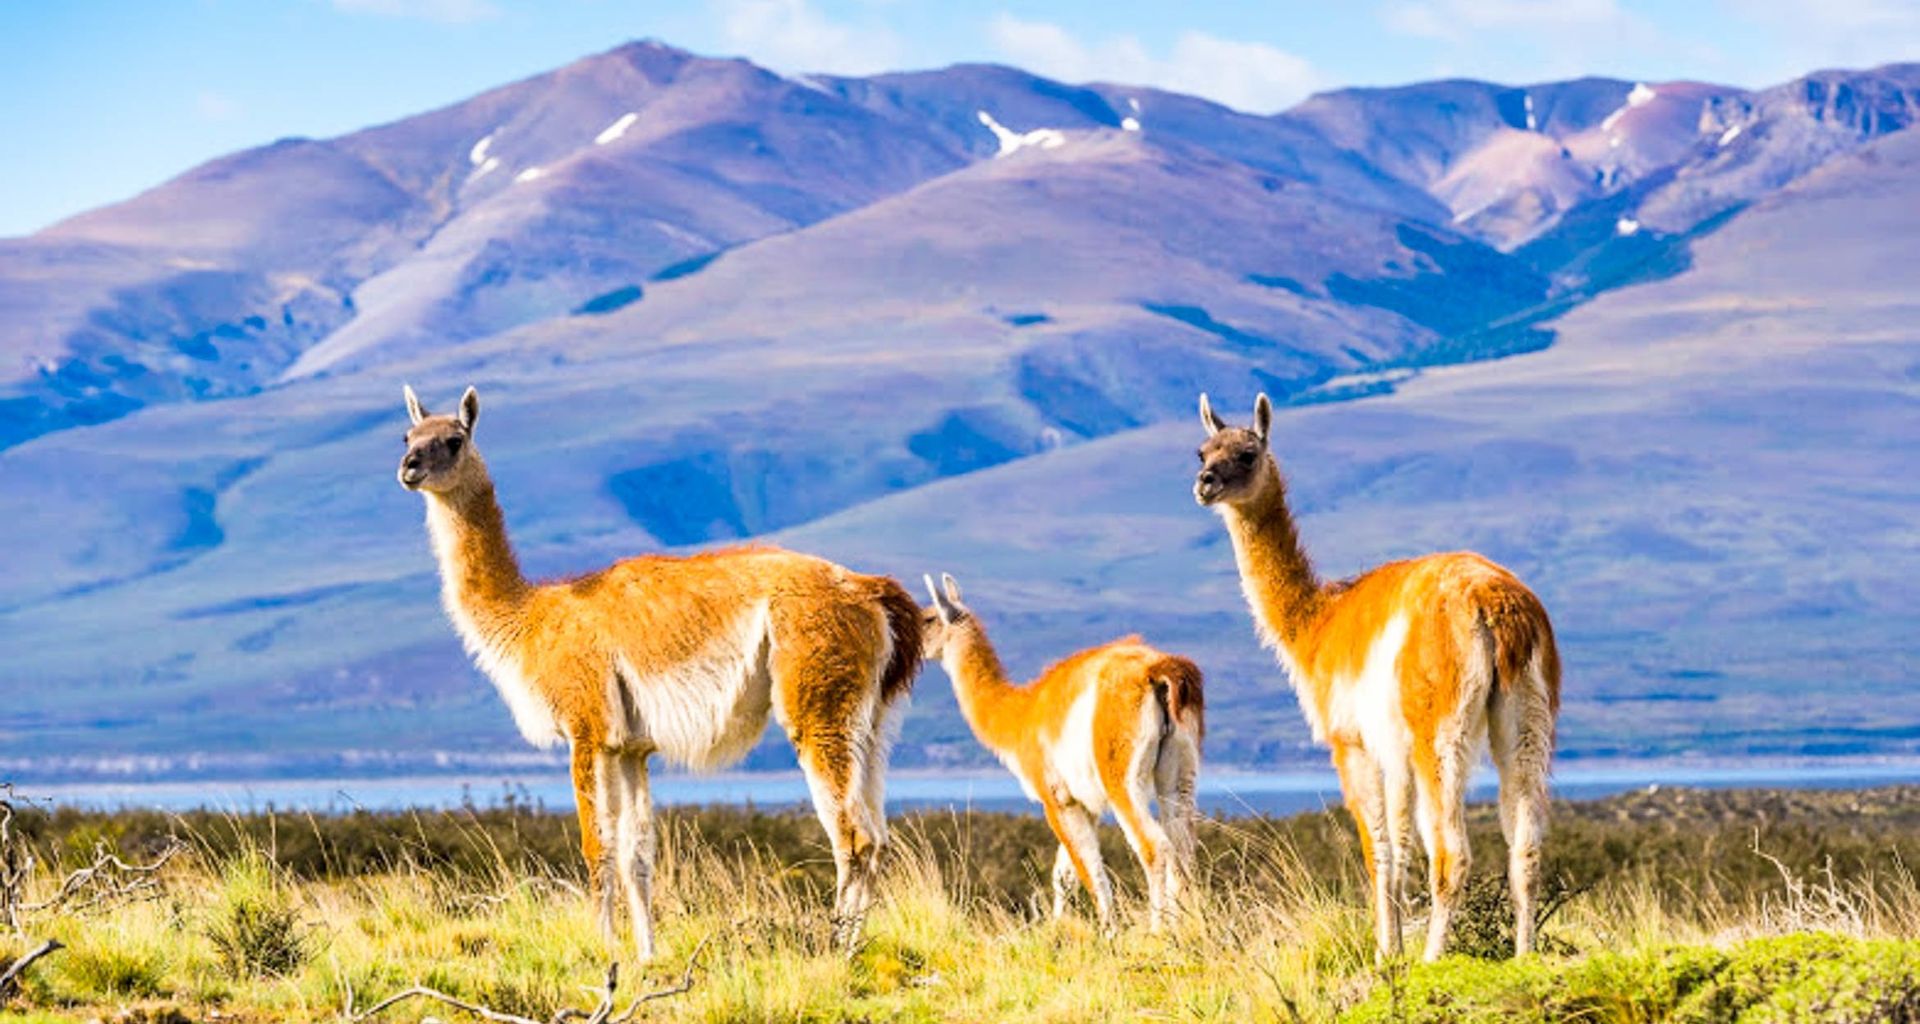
(1675, 905)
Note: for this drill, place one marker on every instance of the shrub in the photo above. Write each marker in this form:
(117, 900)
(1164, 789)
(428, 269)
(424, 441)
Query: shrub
(255, 926)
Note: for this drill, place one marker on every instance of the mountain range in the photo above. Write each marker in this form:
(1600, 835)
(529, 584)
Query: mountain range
(1652, 344)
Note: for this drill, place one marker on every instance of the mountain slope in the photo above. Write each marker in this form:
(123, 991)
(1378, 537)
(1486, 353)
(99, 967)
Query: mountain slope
(1710, 480)
(520, 204)
(859, 316)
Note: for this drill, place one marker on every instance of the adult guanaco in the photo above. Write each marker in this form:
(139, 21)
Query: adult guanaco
(1406, 671)
(686, 657)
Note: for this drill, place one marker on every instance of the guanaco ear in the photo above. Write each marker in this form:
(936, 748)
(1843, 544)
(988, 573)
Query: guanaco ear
(470, 408)
(940, 606)
(1213, 423)
(953, 589)
(415, 411)
(1262, 416)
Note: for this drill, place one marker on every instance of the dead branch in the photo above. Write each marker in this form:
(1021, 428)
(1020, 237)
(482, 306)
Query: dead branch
(684, 985)
(600, 1014)
(108, 881)
(16, 864)
(423, 992)
(11, 977)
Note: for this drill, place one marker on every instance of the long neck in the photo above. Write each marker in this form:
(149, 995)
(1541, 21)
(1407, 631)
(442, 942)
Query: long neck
(1274, 570)
(987, 698)
(479, 576)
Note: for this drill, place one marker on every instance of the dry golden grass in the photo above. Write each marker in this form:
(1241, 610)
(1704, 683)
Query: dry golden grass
(232, 934)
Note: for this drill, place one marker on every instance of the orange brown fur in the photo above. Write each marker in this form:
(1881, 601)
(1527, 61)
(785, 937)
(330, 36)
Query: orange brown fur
(1405, 671)
(682, 656)
(1117, 725)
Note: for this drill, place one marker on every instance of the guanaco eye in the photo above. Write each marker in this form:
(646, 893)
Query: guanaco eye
(1246, 458)
(453, 446)
(1201, 455)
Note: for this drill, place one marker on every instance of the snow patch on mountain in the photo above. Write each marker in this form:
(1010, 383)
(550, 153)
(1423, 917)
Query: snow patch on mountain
(478, 154)
(530, 174)
(1626, 226)
(1730, 134)
(1012, 141)
(1533, 123)
(1641, 95)
(616, 129)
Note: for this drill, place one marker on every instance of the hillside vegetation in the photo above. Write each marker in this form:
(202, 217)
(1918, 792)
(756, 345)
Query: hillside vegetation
(1673, 905)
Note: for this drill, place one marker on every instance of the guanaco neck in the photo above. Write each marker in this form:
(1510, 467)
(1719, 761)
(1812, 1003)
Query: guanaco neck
(479, 577)
(1275, 571)
(991, 704)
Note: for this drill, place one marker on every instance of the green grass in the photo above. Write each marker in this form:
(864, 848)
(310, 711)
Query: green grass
(1670, 915)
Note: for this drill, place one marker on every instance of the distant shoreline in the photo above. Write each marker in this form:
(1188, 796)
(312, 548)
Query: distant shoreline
(1223, 791)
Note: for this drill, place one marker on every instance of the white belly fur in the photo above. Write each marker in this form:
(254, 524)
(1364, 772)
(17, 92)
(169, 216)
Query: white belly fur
(1071, 758)
(706, 712)
(1367, 706)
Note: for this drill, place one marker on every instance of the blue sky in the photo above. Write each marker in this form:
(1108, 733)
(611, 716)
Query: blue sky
(106, 97)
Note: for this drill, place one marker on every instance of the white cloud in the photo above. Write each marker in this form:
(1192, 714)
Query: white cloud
(1461, 20)
(1521, 39)
(215, 106)
(1247, 75)
(792, 35)
(1831, 34)
(452, 12)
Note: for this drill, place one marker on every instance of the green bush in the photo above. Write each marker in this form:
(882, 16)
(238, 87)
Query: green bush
(255, 927)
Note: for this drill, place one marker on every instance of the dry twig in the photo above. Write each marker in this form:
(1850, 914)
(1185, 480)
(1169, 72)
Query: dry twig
(601, 1014)
(108, 881)
(11, 977)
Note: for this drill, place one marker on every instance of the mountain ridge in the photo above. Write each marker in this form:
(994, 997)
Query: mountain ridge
(850, 314)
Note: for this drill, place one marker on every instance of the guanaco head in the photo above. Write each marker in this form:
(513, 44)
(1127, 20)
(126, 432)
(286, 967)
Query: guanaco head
(943, 619)
(440, 456)
(1235, 466)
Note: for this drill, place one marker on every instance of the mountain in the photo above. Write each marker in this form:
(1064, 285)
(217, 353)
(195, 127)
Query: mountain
(1711, 479)
(956, 320)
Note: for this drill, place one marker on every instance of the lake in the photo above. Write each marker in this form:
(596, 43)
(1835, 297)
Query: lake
(1221, 792)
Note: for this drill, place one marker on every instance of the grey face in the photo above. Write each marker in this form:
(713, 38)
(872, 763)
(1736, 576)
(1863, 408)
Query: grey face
(438, 447)
(933, 634)
(435, 448)
(936, 618)
(1233, 458)
(1229, 465)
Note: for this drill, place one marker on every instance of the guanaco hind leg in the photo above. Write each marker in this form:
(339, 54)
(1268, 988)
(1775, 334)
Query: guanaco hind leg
(635, 844)
(1519, 734)
(1443, 827)
(826, 670)
(1174, 791)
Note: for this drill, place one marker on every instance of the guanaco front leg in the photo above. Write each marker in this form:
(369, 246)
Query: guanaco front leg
(591, 800)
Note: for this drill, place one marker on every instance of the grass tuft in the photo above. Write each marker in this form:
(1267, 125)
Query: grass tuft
(254, 923)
